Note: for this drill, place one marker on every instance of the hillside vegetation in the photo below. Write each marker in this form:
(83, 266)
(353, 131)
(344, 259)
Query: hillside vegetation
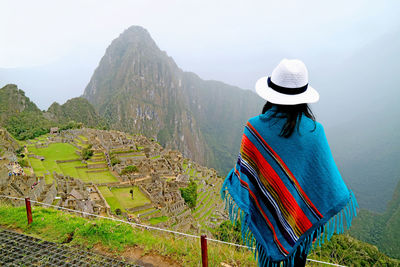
(24, 120)
(118, 238)
(77, 109)
(20, 116)
(382, 230)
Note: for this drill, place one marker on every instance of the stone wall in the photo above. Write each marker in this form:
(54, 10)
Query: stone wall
(144, 207)
(97, 166)
(64, 161)
(106, 206)
(51, 194)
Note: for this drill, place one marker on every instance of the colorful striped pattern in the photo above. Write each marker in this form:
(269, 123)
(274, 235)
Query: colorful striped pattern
(286, 212)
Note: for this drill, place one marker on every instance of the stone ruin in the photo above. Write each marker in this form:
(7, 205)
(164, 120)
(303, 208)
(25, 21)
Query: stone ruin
(160, 175)
(165, 195)
(76, 195)
(28, 186)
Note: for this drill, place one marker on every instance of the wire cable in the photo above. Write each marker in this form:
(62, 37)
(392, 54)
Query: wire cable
(147, 227)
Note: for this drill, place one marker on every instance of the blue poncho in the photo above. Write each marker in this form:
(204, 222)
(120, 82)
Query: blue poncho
(286, 192)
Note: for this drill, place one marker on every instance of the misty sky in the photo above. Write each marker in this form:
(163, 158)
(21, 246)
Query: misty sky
(232, 41)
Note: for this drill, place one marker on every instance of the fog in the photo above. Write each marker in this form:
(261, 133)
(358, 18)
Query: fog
(51, 48)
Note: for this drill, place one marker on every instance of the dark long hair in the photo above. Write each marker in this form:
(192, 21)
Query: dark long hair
(292, 113)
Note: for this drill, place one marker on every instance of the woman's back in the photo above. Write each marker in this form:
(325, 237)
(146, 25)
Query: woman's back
(285, 187)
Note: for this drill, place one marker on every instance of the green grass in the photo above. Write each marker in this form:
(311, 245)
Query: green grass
(122, 152)
(142, 211)
(156, 157)
(98, 177)
(199, 197)
(37, 166)
(82, 174)
(124, 197)
(68, 168)
(157, 220)
(27, 171)
(155, 211)
(131, 156)
(120, 198)
(57, 151)
(110, 198)
(192, 172)
(83, 137)
(65, 151)
(56, 226)
(203, 202)
(206, 215)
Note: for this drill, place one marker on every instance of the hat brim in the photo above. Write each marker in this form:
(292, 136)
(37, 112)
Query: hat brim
(309, 96)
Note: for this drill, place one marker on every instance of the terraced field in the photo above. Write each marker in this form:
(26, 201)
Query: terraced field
(75, 168)
(208, 197)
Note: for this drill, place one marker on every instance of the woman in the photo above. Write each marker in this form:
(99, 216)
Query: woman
(285, 187)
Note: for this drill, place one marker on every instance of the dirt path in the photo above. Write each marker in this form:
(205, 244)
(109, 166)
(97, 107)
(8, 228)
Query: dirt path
(140, 257)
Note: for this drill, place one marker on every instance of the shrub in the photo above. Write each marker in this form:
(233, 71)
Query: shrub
(129, 169)
(189, 194)
(228, 232)
(19, 150)
(87, 153)
(23, 163)
(115, 161)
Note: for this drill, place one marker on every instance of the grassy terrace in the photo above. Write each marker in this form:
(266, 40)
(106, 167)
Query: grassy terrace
(65, 151)
(58, 151)
(96, 177)
(157, 220)
(206, 201)
(83, 137)
(120, 198)
(118, 238)
(142, 211)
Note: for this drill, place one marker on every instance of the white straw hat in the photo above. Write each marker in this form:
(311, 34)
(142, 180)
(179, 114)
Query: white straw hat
(287, 85)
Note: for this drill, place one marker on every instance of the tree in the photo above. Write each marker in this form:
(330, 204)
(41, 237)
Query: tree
(189, 194)
(87, 153)
(129, 169)
(131, 191)
(115, 161)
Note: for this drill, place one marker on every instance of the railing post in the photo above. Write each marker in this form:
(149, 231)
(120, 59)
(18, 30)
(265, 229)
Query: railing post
(28, 210)
(204, 252)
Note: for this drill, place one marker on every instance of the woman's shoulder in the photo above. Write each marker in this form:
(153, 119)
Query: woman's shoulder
(307, 125)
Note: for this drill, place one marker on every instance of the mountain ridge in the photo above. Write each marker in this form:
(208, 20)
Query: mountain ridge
(24, 120)
(139, 88)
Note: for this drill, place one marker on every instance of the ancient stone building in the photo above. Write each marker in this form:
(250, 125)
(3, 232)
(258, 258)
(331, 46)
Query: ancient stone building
(79, 196)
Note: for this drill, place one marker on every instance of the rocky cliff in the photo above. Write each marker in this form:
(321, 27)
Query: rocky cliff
(139, 88)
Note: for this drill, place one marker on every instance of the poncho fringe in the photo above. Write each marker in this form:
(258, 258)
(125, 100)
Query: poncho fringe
(336, 224)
